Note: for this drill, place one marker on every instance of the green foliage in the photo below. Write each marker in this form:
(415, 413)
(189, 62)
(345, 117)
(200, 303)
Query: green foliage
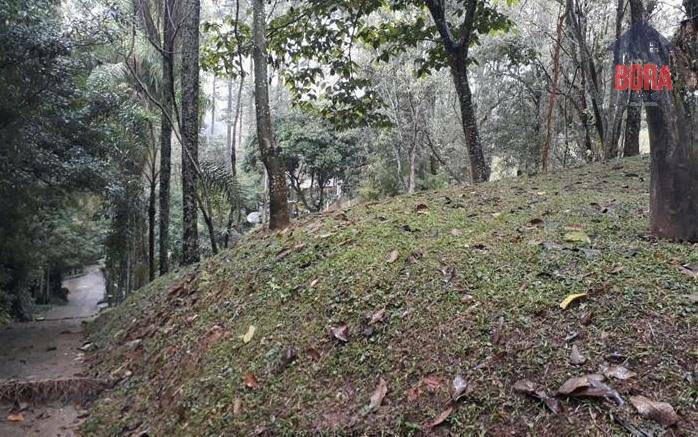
(53, 152)
(315, 154)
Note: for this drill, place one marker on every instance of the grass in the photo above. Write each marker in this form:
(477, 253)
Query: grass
(474, 291)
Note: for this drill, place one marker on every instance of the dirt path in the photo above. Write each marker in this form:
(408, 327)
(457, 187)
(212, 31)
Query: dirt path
(49, 349)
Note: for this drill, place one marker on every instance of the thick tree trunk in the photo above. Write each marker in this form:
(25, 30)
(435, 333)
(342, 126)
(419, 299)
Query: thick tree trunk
(673, 128)
(631, 146)
(276, 171)
(190, 130)
(213, 106)
(166, 133)
(479, 168)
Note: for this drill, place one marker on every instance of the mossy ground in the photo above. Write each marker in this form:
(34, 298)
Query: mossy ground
(474, 291)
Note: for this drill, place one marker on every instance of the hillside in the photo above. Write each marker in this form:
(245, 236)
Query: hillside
(358, 321)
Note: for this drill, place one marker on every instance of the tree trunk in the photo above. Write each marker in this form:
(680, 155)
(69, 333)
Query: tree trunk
(229, 140)
(166, 133)
(151, 226)
(213, 107)
(190, 130)
(616, 109)
(479, 169)
(673, 129)
(553, 93)
(278, 189)
(631, 146)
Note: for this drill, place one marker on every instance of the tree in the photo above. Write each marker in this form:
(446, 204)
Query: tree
(269, 151)
(673, 129)
(168, 59)
(190, 129)
(631, 144)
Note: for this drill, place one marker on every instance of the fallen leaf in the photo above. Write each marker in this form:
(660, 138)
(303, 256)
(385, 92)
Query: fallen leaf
(618, 372)
(576, 356)
(690, 269)
(250, 381)
(591, 386)
(660, 412)
(456, 232)
(15, 418)
(377, 316)
(458, 387)
(585, 318)
(578, 382)
(249, 334)
(441, 417)
(392, 256)
(313, 353)
(341, 333)
(378, 395)
(421, 208)
(314, 282)
(530, 388)
(571, 298)
(432, 381)
(577, 237)
(537, 222)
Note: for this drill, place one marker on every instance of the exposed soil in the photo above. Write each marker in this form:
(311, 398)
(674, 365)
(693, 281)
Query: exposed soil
(48, 349)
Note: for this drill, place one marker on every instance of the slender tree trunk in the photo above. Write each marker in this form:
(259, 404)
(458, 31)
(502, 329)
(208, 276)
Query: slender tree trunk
(213, 106)
(412, 180)
(479, 168)
(673, 129)
(166, 132)
(278, 189)
(229, 140)
(616, 107)
(553, 93)
(151, 227)
(190, 130)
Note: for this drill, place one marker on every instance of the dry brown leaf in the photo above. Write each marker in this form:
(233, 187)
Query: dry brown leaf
(578, 382)
(432, 381)
(660, 412)
(15, 417)
(576, 356)
(313, 353)
(377, 316)
(341, 333)
(591, 386)
(421, 208)
(618, 372)
(458, 387)
(441, 418)
(378, 395)
(414, 392)
(314, 282)
(530, 388)
(250, 381)
(392, 256)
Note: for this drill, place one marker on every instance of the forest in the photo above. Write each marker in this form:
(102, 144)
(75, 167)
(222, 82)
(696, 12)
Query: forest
(250, 165)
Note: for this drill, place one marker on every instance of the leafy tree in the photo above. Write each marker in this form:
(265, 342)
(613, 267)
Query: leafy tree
(315, 155)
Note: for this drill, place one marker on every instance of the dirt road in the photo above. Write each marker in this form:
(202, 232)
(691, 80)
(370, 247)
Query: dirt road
(49, 349)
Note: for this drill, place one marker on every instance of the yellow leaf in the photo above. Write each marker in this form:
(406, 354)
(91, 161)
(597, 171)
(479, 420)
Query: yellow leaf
(577, 237)
(249, 334)
(15, 418)
(571, 298)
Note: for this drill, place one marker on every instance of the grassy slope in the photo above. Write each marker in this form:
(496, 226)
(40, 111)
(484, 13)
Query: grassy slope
(497, 320)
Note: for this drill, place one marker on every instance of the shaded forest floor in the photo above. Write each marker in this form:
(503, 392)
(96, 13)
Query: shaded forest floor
(372, 319)
(41, 352)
